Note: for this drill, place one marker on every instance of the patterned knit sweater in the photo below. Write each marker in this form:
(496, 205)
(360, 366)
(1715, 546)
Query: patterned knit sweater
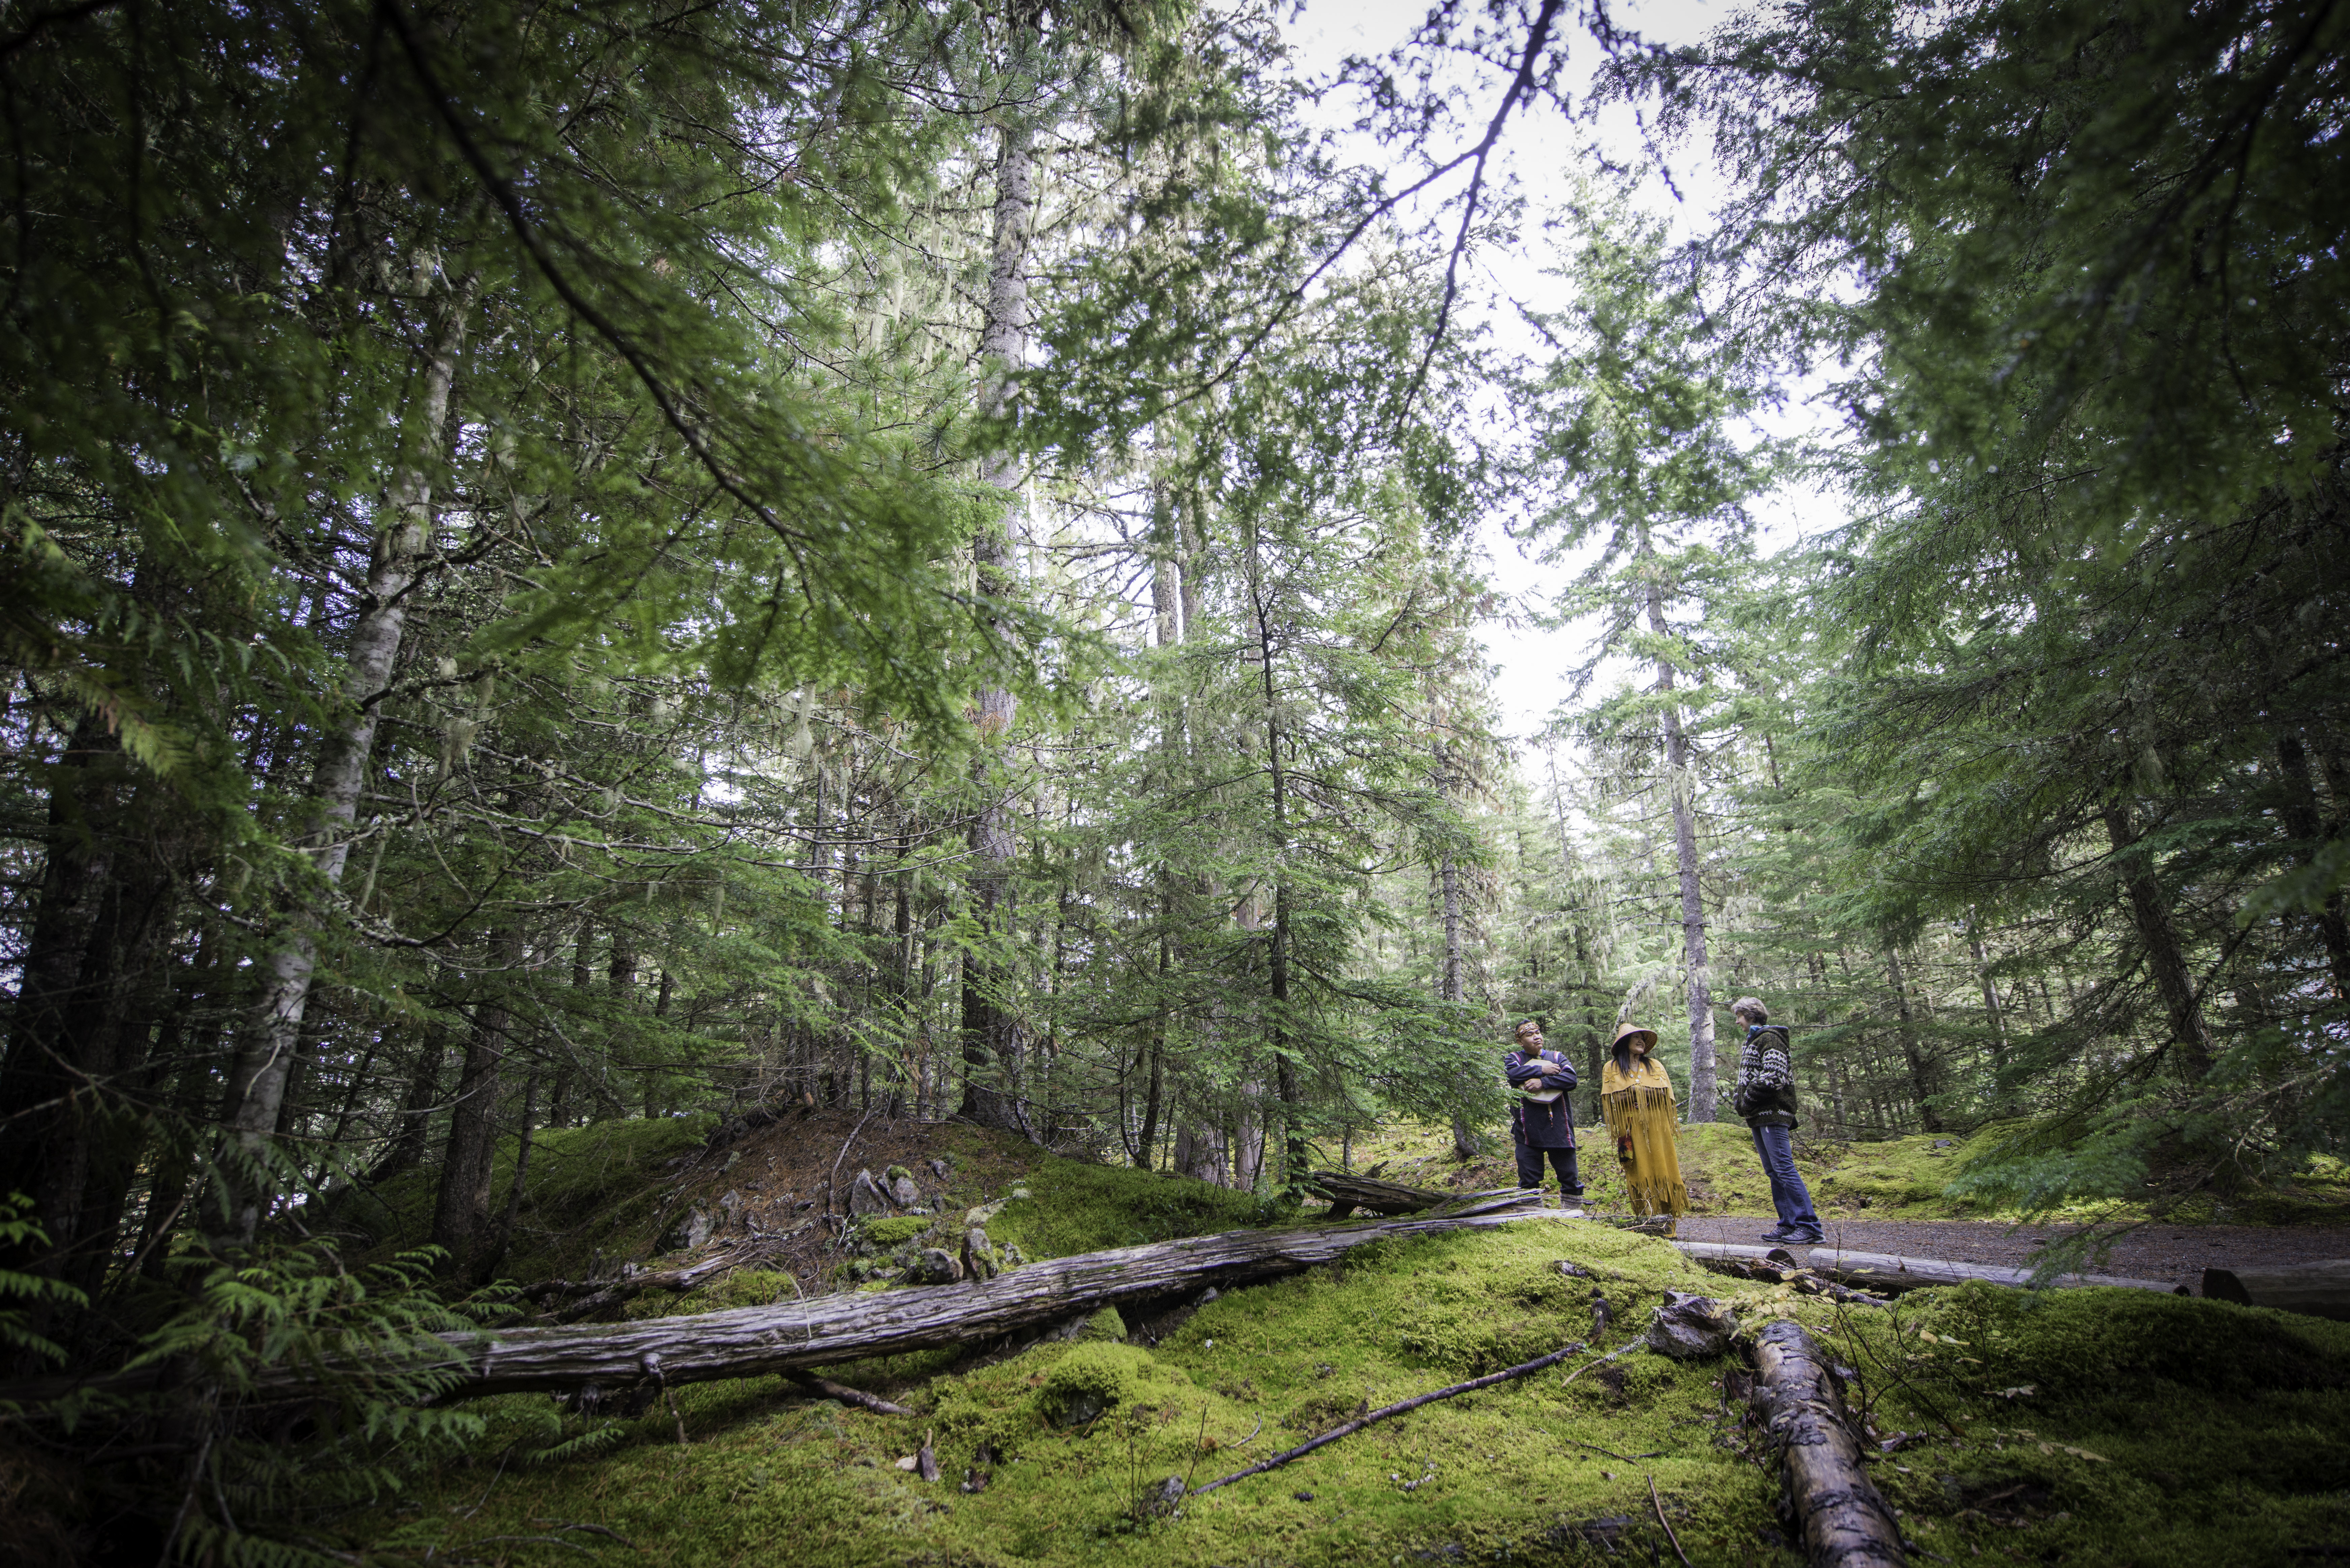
(1766, 1077)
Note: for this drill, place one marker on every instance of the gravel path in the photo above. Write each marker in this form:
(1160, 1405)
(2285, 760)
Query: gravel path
(2170, 1252)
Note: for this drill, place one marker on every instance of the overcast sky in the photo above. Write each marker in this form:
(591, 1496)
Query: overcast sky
(1542, 154)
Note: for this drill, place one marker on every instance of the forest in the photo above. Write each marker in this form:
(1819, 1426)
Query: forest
(687, 570)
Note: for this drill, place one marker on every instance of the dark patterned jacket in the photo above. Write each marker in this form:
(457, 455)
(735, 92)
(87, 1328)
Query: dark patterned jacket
(1532, 1124)
(1766, 1077)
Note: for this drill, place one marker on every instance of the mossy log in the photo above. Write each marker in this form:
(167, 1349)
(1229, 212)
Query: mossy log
(2318, 1290)
(1348, 1191)
(592, 1296)
(747, 1342)
(1887, 1271)
(1844, 1521)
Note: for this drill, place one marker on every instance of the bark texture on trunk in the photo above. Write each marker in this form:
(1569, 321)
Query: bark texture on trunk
(402, 547)
(992, 1043)
(1846, 1521)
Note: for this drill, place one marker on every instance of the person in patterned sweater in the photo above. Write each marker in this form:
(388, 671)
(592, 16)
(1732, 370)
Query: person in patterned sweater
(1766, 1098)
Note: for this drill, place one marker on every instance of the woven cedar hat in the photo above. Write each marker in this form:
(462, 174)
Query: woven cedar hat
(1627, 1031)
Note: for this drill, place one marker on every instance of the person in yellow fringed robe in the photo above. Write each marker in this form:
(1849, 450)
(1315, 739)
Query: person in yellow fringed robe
(1636, 1098)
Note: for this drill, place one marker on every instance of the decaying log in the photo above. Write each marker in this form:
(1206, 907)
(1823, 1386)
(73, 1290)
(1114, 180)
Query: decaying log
(747, 1342)
(1777, 1266)
(2318, 1290)
(1348, 1191)
(1845, 1522)
(1887, 1272)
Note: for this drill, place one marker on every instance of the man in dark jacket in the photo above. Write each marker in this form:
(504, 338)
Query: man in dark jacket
(1542, 1122)
(1766, 1098)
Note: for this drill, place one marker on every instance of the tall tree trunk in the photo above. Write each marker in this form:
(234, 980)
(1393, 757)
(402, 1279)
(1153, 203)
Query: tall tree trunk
(41, 1077)
(409, 1135)
(1683, 782)
(1923, 1076)
(503, 1242)
(1144, 1156)
(193, 1036)
(1281, 1036)
(1991, 1005)
(125, 989)
(461, 1212)
(2300, 814)
(992, 1043)
(402, 547)
(2151, 913)
(1466, 1144)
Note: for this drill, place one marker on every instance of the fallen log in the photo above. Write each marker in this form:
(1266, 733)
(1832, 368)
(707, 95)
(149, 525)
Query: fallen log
(1844, 1521)
(2317, 1290)
(1348, 1191)
(747, 1342)
(1777, 1266)
(1888, 1272)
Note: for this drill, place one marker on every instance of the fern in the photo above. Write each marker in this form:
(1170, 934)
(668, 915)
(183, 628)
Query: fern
(19, 1231)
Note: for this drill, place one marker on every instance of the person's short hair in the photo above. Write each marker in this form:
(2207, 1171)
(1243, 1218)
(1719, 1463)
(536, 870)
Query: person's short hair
(1750, 1008)
(1529, 1026)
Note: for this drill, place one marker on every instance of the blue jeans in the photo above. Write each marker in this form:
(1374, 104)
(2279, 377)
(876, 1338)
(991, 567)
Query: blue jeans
(1789, 1195)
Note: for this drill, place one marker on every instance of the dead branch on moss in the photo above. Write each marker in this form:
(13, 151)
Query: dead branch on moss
(1623, 1458)
(1658, 1503)
(846, 1395)
(1602, 1360)
(1398, 1409)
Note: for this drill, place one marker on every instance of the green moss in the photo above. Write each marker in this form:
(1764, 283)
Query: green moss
(750, 1287)
(1095, 1377)
(884, 1234)
(2193, 1432)
(1106, 1325)
(1076, 1207)
(597, 1188)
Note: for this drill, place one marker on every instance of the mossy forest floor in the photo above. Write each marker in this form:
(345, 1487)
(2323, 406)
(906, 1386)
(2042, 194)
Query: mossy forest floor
(2087, 1427)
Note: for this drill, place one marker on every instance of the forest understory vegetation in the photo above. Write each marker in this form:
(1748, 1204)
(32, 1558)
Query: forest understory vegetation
(2029, 1428)
(662, 656)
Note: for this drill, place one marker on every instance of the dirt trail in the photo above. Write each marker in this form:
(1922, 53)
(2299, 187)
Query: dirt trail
(2170, 1253)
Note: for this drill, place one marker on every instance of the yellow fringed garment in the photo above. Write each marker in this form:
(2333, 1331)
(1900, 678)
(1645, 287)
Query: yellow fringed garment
(1639, 1105)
